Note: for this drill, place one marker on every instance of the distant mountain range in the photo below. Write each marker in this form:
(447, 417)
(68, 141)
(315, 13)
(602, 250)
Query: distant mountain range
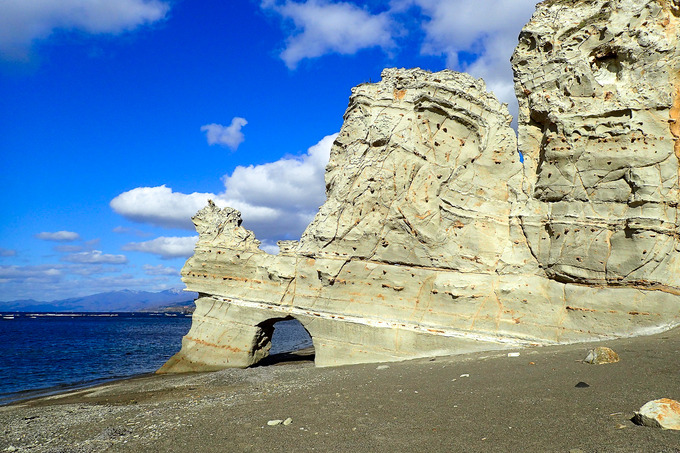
(125, 300)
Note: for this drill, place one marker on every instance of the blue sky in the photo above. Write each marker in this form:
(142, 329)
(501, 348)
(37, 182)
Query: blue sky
(120, 118)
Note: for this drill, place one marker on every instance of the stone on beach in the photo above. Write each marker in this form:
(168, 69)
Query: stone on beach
(661, 413)
(601, 355)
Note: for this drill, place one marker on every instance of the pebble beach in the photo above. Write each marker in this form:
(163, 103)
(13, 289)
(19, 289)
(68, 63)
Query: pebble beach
(535, 399)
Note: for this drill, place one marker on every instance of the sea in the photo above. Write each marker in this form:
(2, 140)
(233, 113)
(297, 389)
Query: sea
(47, 353)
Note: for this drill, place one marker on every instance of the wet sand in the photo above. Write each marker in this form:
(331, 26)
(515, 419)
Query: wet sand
(473, 402)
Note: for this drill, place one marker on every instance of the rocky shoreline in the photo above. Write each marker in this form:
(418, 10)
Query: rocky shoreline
(544, 399)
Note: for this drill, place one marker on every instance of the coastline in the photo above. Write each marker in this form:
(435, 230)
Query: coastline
(473, 402)
(21, 396)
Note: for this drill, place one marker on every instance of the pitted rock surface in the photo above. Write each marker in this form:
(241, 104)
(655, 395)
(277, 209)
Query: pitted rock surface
(424, 172)
(436, 239)
(598, 85)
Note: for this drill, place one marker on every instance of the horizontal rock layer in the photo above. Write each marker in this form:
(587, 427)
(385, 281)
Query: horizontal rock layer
(436, 239)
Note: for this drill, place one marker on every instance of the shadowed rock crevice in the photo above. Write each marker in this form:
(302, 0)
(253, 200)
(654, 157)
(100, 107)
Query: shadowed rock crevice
(435, 239)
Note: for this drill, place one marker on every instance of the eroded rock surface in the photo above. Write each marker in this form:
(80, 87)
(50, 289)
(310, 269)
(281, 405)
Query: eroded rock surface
(598, 86)
(436, 239)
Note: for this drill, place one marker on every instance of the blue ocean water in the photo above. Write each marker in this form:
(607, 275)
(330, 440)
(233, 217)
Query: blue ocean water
(289, 336)
(59, 351)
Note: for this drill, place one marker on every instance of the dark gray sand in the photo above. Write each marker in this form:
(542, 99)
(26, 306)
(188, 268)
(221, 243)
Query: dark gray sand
(475, 402)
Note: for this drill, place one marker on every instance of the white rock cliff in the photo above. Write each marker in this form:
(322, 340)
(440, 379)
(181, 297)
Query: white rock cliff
(436, 239)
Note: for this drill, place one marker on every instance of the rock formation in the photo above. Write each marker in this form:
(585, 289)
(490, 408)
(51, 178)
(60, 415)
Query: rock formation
(436, 239)
(599, 108)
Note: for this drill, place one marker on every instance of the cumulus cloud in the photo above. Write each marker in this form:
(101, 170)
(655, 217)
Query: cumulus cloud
(95, 257)
(277, 200)
(286, 182)
(476, 37)
(488, 28)
(7, 252)
(229, 136)
(165, 247)
(485, 29)
(322, 27)
(160, 206)
(58, 236)
(163, 207)
(24, 21)
(159, 270)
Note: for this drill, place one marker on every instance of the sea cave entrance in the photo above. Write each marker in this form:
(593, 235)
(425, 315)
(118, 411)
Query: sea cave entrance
(290, 341)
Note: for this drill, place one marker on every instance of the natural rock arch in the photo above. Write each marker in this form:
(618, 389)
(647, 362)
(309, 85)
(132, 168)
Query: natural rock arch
(435, 239)
(267, 334)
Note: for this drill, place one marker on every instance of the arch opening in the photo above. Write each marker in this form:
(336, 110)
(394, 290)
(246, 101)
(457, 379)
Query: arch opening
(284, 340)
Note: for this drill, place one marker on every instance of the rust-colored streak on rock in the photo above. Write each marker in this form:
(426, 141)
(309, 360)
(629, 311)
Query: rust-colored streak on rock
(213, 345)
(399, 94)
(661, 413)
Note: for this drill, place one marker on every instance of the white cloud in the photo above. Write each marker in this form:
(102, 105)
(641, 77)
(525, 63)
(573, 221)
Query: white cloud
(230, 136)
(160, 206)
(159, 270)
(277, 200)
(163, 207)
(473, 36)
(95, 257)
(24, 21)
(165, 247)
(58, 236)
(487, 29)
(272, 249)
(322, 27)
(292, 182)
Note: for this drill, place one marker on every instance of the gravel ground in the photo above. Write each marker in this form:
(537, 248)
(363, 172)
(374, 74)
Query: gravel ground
(473, 402)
